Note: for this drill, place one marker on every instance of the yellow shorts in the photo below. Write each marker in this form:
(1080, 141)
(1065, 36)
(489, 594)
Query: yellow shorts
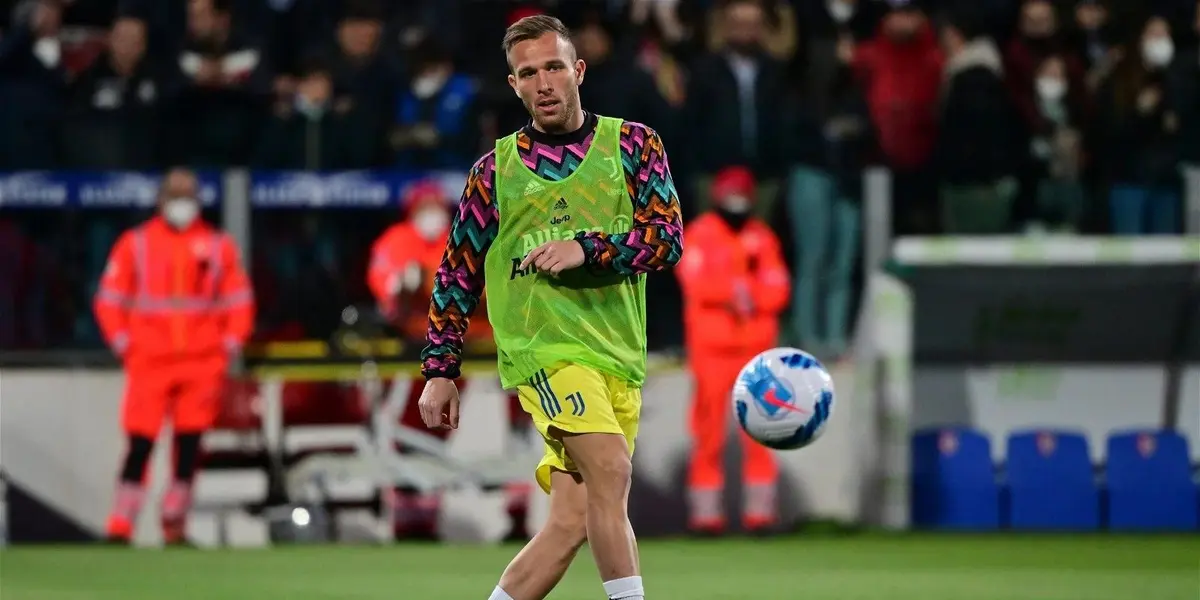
(573, 399)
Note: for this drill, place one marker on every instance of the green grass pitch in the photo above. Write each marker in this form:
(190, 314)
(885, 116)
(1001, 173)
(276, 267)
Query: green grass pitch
(870, 567)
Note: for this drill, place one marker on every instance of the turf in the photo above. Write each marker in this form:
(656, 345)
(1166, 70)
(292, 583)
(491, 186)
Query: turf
(851, 568)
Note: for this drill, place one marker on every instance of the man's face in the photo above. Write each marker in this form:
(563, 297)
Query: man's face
(127, 40)
(902, 25)
(180, 183)
(1090, 16)
(546, 75)
(201, 18)
(316, 88)
(1037, 20)
(359, 38)
(744, 24)
(179, 201)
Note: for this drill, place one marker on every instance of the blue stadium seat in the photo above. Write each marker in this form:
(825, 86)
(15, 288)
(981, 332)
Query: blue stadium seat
(954, 486)
(1150, 483)
(1050, 482)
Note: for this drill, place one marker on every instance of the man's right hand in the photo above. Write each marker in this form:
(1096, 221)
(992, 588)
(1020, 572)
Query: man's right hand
(439, 404)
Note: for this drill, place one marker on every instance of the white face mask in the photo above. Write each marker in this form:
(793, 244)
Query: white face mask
(1158, 52)
(426, 86)
(48, 51)
(1051, 88)
(431, 223)
(737, 205)
(311, 110)
(180, 212)
(840, 11)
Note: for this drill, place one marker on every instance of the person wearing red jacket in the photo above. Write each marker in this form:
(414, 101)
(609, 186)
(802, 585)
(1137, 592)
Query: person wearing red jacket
(400, 276)
(900, 71)
(175, 305)
(735, 286)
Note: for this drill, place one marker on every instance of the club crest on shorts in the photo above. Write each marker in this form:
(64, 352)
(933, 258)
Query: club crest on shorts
(773, 397)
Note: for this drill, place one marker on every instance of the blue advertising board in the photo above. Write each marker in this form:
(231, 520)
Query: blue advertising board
(268, 190)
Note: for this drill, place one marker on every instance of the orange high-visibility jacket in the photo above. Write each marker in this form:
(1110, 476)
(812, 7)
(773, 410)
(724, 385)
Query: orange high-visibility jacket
(401, 246)
(718, 262)
(169, 294)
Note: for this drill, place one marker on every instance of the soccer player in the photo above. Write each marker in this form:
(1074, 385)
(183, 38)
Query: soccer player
(562, 220)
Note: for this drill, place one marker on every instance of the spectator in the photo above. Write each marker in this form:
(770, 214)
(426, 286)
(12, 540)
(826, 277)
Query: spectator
(615, 86)
(1058, 155)
(779, 33)
(224, 81)
(975, 134)
(1039, 37)
(737, 105)
(1138, 136)
(900, 70)
(1095, 40)
(315, 130)
(32, 84)
(654, 53)
(360, 70)
(437, 126)
(823, 210)
(113, 117)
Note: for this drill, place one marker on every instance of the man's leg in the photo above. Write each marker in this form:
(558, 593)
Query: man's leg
(706, 471)
(544, 560)
(605, 463)
(197, 406)
(142, 415)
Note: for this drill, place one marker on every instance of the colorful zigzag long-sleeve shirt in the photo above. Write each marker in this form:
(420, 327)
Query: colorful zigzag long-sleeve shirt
(654, 243)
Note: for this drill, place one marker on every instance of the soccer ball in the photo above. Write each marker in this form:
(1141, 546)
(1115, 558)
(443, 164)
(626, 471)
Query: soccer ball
(783, 398)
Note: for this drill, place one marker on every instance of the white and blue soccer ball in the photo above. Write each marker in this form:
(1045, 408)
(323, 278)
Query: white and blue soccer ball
(783, 398)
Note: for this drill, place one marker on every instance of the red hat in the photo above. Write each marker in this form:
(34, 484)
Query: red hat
(733, 180)
(421, 193)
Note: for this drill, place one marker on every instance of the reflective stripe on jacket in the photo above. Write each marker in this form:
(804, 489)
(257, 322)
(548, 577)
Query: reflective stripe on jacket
(174, 294)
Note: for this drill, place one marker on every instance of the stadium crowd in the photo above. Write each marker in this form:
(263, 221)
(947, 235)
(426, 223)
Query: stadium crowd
(993, 116)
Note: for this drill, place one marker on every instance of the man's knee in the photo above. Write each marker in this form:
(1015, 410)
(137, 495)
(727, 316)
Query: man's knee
(570, 526)
(603, 460)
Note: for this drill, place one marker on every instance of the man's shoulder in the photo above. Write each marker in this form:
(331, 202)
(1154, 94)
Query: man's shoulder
(485, 164)
(633, 128)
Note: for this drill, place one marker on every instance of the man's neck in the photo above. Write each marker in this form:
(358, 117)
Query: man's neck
(572, 136)
(577, 119)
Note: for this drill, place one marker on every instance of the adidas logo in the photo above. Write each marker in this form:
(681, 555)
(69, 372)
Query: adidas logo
(533, 188)
(561, 204)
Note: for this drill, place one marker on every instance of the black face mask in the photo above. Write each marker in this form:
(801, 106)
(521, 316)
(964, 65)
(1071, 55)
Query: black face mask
(735, 220)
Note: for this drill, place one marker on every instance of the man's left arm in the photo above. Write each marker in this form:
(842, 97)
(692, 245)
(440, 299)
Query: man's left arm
(235, 298)
(655, 241)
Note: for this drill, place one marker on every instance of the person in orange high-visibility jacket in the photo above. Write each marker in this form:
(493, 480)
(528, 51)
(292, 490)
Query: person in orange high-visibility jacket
(175, 305)
(735, 285)
(403, 262)
(405, 257)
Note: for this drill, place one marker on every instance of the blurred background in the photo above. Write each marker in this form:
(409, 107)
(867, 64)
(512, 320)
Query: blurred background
(990, 211)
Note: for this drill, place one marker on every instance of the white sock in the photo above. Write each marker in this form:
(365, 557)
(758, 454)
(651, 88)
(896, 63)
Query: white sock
(625, 588)
(499, 594)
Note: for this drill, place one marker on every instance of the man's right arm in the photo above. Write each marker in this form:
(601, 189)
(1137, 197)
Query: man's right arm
(458, 284)
(114, 296)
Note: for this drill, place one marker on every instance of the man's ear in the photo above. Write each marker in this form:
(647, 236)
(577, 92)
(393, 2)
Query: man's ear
(580, 69)
(512, 83)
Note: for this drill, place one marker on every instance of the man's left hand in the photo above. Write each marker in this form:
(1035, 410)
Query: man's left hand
(555, 257)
